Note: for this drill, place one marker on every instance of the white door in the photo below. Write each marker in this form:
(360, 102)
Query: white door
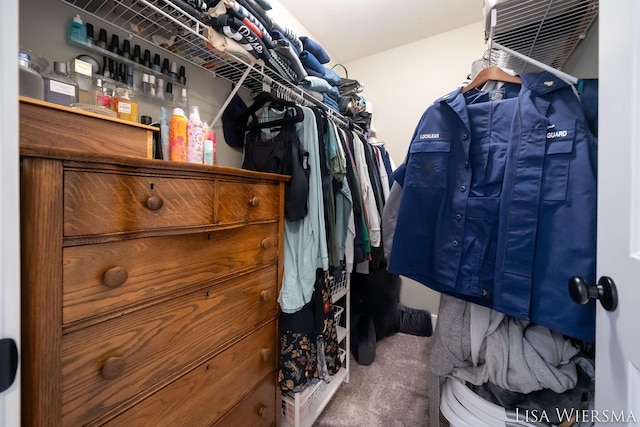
(617, 332)
(9, 202)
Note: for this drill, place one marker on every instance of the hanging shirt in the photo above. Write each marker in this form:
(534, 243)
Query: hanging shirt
(368, 197)
(305, 244)
(547, 230)
(446, 231)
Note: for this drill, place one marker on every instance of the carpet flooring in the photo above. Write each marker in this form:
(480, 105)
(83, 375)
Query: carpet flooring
(393, 391)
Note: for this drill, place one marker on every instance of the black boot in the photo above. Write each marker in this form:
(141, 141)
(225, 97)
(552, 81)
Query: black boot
(363, 341)
(414, 321)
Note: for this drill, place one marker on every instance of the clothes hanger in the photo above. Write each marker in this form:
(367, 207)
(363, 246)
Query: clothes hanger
(491, 73)
(259, 101)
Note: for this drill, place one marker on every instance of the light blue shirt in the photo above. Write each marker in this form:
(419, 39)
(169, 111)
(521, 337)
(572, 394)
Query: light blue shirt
(305, 243)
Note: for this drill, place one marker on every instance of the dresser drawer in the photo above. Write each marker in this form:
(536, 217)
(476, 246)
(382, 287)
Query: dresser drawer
(108, 363)
(256, 410)
(238, 202)
(113, 276)
(106, 203)
(212, 388)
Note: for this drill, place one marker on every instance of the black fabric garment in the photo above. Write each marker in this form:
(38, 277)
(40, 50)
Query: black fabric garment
(386, 159)
(233, 28)
(360, 247)
(300, 333)
(258, 12)
(264, 37)
(298, 350)
(374, 176)
(377, 253)
(282, 154)
(325, 322)
(328, 197)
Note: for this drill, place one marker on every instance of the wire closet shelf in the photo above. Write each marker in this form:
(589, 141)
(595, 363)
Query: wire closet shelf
(522, 33)
(163, 20)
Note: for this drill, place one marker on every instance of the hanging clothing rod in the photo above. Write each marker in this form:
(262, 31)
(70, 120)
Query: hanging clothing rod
(560, 74)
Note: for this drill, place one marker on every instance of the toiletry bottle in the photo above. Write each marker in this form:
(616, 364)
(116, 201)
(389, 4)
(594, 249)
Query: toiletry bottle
(126, 49)
(174, 72)
(108, 93)
(124, 106)
(195, 136)
(115, 44)
(31, 83)
(77, 31)
(105, 72)
(152, 85)
(144, 88)
(130, 82)
(102, 39)
(209, 146)
(168, 92)
(136, 54)
(165, 67)
(90, 40)
(59, 88)
(182, 78)
(156, 63)
(183, 101)
(164, 134)
(146, 59)
(160, 88)
(178, 136)
(99, 94)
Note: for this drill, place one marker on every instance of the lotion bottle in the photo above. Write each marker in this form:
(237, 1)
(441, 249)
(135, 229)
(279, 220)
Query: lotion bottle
(195, 132)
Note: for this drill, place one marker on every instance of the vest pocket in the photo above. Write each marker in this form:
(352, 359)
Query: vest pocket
(558, 156)
(428, 164)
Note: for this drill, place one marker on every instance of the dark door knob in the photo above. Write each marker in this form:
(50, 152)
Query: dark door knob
(8, 362)
(605, 291)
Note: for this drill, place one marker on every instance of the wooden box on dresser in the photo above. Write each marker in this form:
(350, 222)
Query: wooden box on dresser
(149, 291)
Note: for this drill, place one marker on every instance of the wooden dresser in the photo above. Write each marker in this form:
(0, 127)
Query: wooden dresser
(149, 291)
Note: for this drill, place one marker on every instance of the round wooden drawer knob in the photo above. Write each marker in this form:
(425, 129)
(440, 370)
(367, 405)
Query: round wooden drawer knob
(262, 411)
(265, 354)
(114, 277)
(265, 295)
(112, 367)
(154, 203)
(265, 243)
(254, 202)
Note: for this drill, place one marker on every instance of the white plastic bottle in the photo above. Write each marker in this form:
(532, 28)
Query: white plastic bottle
(183, 101)
(195, 136)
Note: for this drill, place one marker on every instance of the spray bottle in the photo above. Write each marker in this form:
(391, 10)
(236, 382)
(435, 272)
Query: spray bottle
(178, 136)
